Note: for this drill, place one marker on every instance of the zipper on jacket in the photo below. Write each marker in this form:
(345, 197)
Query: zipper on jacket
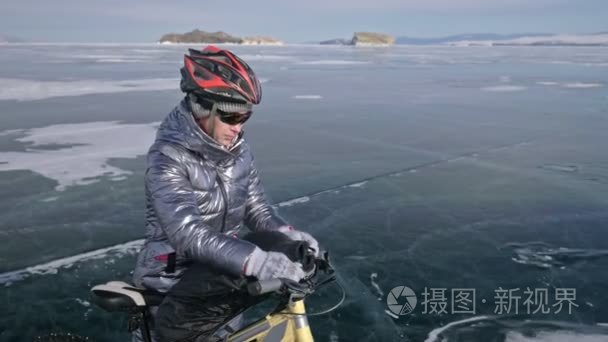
(225, 198)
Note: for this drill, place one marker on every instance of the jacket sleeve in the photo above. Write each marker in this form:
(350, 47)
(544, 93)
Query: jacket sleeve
(176, 207)
(259, 214)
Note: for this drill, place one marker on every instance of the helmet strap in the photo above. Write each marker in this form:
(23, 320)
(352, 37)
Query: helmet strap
(212, 114)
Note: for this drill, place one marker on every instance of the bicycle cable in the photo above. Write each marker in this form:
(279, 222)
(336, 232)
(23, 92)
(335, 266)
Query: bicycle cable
(325, 311)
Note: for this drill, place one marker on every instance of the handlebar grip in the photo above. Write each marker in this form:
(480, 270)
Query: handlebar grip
(260, 287)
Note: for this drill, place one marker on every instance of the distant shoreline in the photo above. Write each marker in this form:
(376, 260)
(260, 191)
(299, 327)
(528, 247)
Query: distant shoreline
(300, 44)
(198, 38)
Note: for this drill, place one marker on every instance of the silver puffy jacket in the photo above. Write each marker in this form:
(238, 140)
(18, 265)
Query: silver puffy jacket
(199, 194)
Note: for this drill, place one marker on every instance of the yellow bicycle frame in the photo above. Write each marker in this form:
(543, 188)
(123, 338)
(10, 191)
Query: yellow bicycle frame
(289, 325)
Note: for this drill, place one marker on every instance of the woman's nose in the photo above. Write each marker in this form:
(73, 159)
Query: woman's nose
(236, 128)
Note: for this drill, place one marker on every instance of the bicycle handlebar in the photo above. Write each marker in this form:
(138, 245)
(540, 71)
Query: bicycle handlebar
(261, 287)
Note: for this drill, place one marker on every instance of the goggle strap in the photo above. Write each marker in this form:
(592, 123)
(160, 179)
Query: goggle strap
(212, 115)
(213, 109)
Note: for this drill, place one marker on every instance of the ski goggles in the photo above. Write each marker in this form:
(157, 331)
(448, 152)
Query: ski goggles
(233, 118)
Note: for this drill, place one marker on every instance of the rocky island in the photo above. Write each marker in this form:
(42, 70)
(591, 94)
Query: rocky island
(372, 38)
(219, 37)
(363, 39)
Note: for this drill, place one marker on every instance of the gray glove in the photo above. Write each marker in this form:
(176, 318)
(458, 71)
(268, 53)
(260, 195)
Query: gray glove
(298, 235)
(270, 265)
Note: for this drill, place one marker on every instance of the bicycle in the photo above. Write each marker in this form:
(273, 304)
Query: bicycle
(287, 322)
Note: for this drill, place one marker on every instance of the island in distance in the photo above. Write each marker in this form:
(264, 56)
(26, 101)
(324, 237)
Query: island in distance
(198, 36)
(480, 39)
(363, 39)
(219, 37)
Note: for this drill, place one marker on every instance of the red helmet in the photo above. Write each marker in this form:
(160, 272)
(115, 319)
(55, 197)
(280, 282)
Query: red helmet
(220, 76)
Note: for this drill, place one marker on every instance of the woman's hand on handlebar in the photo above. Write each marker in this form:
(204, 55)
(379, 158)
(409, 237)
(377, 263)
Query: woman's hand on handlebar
(271, 265)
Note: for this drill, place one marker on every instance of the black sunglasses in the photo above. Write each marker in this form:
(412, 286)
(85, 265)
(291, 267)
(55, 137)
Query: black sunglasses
(233, 118)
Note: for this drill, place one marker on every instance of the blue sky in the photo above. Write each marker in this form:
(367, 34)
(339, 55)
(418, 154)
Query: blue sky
(292, 21)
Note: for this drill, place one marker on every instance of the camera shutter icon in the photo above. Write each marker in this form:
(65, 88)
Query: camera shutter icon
(401, 300)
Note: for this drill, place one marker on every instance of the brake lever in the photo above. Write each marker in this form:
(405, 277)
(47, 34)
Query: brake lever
(324, 264)
(293, 286)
